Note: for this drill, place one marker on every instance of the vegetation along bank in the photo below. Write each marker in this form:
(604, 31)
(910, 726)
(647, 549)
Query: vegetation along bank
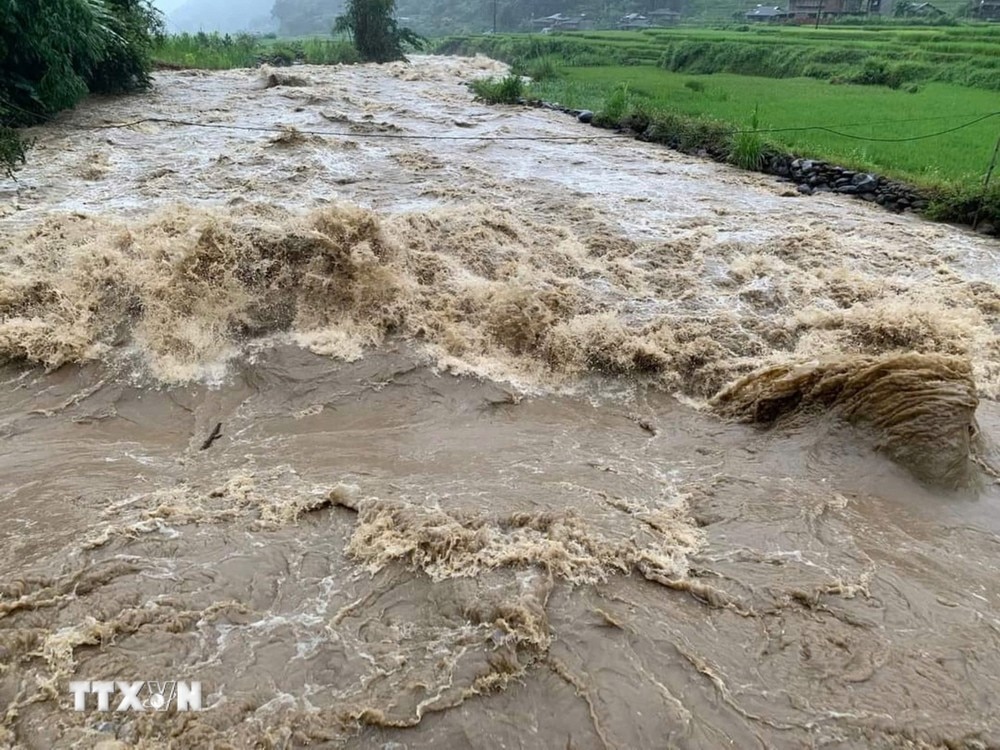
(922, 125)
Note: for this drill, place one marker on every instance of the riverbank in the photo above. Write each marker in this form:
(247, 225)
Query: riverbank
(930, 141)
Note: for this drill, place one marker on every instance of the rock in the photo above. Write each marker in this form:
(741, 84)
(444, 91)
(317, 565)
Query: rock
(870, 197)
(846, 190)
(865, 183)
(805, 189)
(986, 228)
(807, 165)
(273, 79)
(842, 182)
(585, 116)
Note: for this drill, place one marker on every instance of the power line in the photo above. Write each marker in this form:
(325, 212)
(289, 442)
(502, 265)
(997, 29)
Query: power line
(871, 139)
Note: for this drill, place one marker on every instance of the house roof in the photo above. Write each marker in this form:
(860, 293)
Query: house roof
(762, 11)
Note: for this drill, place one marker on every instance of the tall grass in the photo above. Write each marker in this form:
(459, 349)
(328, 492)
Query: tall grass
(329, 52)
(616, 106)
(746, 147)
(507, 90)
(222, 52)
(209, 51)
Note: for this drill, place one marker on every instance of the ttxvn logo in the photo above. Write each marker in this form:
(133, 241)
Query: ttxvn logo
(136, 696)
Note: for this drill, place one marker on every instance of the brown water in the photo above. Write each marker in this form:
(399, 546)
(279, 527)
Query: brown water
(487, 474)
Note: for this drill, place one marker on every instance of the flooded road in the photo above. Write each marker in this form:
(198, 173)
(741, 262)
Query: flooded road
(401, 442)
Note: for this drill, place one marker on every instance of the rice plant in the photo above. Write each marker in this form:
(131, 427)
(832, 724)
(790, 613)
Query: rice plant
(746, 149)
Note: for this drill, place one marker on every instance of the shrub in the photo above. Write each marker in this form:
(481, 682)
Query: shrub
(965, 203)
(507, 90)
(543, 69)
(328, 52)
(616, 105)
(694, 85)
(746, 147)
(124, 66)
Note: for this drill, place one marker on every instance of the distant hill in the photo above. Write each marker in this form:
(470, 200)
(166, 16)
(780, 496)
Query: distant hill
(225, 16)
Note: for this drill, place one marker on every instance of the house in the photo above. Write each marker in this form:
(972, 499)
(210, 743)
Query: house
(634, 21)
(665, 17)
(809, 9)
(763, 13)
(986, 10)
(919, 10)
(560, 22)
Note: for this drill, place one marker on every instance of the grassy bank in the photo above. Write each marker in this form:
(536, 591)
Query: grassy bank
(788, 108)
(223, 52)
(876, 98)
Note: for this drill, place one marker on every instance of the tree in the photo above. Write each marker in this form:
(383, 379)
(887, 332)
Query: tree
(373, 29)
(54, 52)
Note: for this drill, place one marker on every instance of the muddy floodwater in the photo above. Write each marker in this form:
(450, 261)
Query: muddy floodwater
(396, 422)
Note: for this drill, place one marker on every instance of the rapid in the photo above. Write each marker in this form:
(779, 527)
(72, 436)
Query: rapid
(398, 422)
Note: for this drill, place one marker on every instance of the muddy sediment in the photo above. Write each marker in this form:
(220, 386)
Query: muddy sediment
(409, 442)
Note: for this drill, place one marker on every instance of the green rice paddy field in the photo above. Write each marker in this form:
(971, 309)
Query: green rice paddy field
(869, 112)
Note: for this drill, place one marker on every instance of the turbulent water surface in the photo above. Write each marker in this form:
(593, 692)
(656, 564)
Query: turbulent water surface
(486, 441)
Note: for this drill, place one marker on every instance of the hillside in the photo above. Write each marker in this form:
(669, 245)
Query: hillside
(220, 15)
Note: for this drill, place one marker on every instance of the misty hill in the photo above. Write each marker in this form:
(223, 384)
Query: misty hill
(221, 15)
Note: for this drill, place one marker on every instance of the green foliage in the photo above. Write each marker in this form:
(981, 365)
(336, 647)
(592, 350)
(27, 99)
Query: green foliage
(329, 52)
(209, 51)
(964, 203)
(136, 27)
(507, 90)
(542, 69)
(373, 29)
(222, 52)
(695, 85)
(862, 111)
(746, 147)
(54, 52)
(616, 106)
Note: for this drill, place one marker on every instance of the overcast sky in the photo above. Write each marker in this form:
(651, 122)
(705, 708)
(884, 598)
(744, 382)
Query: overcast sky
(168, 5)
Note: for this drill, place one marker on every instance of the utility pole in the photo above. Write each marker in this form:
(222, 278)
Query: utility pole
(819, 12)
(494, 16)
